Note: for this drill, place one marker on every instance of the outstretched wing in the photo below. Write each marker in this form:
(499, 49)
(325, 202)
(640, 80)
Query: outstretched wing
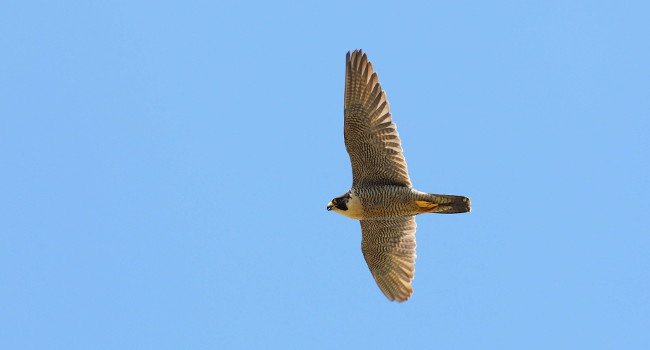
(370, 135)
(388, 245)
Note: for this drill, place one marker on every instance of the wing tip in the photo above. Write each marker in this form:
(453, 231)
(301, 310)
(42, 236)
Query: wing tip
(401, 295)
(356, 56)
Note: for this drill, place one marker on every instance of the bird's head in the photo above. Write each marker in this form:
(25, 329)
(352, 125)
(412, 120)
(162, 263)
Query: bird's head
(340, 203)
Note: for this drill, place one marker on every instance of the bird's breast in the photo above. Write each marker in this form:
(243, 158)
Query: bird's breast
(385, 201)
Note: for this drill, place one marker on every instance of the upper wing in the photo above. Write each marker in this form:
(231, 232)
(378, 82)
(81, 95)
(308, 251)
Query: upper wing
(389, 249)
(370, 135)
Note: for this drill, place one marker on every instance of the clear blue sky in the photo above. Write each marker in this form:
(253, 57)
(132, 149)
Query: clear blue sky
(166, 166)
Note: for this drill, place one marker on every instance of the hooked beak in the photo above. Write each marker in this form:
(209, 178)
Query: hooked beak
(330, 206)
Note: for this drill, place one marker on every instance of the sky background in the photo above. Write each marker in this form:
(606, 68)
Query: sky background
(166, 167)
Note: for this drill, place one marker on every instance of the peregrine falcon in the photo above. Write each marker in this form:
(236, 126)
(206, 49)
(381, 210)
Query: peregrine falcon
(382, 197)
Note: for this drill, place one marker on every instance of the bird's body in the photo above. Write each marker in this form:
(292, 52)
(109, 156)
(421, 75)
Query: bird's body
(377, 202)
(382, 197)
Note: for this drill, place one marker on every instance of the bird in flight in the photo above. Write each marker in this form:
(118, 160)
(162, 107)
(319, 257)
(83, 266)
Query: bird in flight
(382, 197)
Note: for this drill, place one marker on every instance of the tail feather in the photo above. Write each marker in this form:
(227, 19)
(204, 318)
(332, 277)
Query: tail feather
(444, 204)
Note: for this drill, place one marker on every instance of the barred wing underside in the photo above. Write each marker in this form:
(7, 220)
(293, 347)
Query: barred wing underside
(371, 137)
(388, 245)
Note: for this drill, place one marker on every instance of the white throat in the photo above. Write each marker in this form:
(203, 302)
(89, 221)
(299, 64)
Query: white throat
(355, 209)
